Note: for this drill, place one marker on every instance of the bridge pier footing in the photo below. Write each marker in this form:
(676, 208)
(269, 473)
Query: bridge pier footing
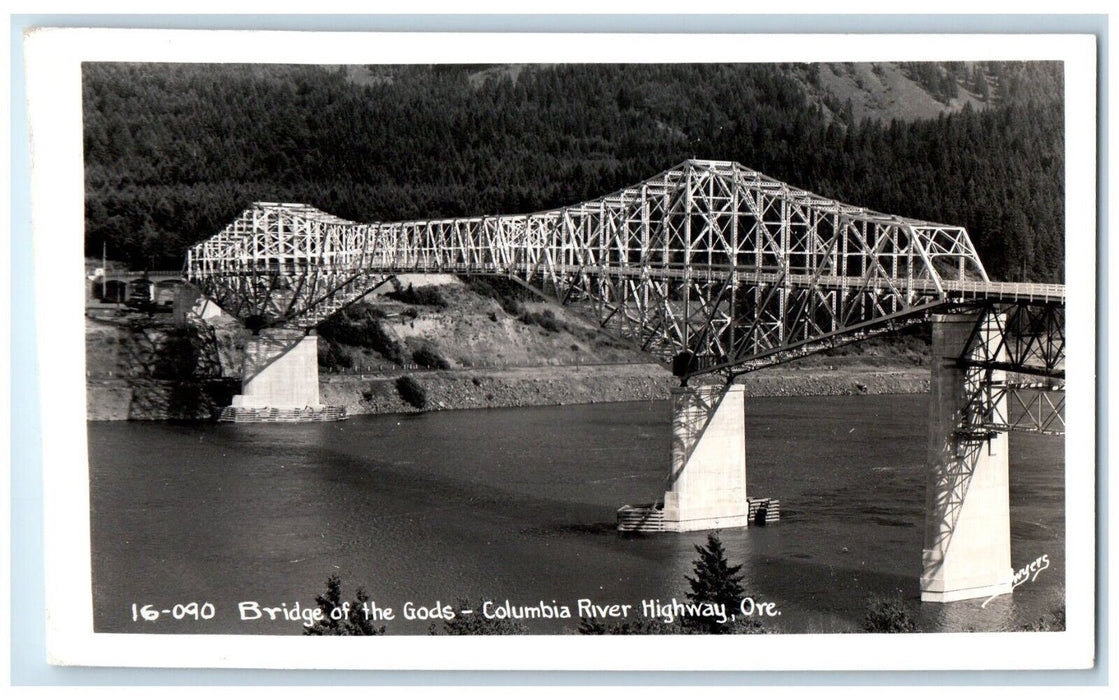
(707, 482)
(280, 381)
(967, 515)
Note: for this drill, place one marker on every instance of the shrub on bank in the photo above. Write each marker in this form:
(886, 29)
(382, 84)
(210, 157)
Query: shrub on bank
(545, 319)
(1054, 621)
(332, 357)
(422, 296)
(507, 293)
(889, 615)
(426, 356)
(361, 327)
(412, 392)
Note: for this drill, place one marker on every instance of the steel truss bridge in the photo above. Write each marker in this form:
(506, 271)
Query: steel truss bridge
(712, 264)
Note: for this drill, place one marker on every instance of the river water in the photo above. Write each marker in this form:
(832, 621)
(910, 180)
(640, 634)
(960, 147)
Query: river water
(518, 505)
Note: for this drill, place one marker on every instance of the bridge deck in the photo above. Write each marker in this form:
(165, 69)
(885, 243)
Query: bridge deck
(949, 290)
(1006, 291)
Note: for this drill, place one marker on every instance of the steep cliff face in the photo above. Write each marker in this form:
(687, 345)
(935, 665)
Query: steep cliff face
(145, 368)
(135, 345)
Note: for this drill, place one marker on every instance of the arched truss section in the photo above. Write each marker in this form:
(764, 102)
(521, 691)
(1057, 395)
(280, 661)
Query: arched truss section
(709, 262)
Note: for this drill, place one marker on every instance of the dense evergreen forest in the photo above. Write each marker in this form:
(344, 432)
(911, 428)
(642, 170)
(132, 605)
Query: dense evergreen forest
(174, 152)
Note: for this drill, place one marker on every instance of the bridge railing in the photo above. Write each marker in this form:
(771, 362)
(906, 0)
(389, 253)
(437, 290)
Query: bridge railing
(136, 274)
(1010, 291)
(961, 289)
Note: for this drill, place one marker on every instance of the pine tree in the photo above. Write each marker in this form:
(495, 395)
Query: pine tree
(353, 624)
(715, 581)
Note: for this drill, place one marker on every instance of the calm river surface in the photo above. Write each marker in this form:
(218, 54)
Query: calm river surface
(518, 505)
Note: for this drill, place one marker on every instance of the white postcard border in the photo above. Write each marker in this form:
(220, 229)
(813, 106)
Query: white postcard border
(54, 58)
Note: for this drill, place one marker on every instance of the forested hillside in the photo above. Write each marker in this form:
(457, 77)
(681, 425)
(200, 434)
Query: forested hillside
(174, 152)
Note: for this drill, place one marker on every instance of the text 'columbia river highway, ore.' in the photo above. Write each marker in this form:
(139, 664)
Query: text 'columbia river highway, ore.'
(667, 611)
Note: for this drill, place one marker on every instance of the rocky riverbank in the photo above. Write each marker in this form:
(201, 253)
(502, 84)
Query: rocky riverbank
(147, 399)
(550, 386)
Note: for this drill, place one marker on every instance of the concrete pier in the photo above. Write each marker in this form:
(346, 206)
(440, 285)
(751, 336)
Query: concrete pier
(967, 515)
(281, 371)
(707, 482)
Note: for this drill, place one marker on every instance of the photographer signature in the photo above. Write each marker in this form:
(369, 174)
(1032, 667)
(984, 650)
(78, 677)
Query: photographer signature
(1026, 573)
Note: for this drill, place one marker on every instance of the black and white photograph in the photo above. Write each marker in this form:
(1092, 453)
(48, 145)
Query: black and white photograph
(568, 348)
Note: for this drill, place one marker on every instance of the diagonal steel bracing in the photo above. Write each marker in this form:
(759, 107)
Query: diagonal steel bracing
(1014, 366)
(711, 263)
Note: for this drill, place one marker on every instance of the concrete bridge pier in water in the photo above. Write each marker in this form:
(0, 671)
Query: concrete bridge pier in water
(280, 380)
(967, 510)
(707, 481)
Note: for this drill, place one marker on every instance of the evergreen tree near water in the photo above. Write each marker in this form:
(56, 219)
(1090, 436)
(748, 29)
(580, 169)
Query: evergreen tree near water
(353, 624)
(714, 581)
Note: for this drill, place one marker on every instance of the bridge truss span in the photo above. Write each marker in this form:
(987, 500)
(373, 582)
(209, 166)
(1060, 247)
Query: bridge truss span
(710, 263)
